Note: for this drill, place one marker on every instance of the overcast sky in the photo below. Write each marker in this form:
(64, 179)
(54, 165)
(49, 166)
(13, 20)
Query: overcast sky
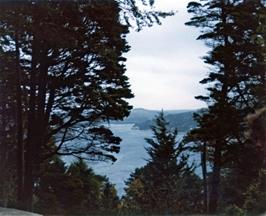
(164, 65)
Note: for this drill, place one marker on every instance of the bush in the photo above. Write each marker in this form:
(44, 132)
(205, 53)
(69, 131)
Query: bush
(234, 211)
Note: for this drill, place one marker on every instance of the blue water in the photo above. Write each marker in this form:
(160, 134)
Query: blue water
(131, 156)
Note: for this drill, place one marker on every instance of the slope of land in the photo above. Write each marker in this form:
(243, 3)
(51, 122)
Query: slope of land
(182, 121)
(143, 118)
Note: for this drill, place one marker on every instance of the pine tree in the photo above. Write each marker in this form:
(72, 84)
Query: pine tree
(70, 78)
(73, 189)
(236, 78)
(49, 187)
(109, 199)
(160, 186)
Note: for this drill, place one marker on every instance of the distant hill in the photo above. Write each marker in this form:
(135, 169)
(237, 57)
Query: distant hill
(182, 121)
(139, 115)
(143, 118)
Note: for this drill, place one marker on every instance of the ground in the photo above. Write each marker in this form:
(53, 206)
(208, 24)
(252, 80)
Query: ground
(15, 212)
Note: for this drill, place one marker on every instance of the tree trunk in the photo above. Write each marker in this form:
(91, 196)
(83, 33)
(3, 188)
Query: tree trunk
(19, 131)
(31, 135)
(215, 181)
(3, 158)
(41, 105)
(37, 124)
(204, 175)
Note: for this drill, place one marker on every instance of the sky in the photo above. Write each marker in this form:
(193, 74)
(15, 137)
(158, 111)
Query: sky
(164, 64)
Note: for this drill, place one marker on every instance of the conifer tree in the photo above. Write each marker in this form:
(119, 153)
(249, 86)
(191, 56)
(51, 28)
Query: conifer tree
(73, 190)
(167, 165)
(109, 199)
(70, 77)
(160, 186)
(235, 82)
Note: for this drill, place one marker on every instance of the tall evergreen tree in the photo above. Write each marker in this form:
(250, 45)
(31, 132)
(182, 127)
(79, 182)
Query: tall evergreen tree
(168, 164)
(238, 68)
(71, 80)
(162, 185)
(70, 77)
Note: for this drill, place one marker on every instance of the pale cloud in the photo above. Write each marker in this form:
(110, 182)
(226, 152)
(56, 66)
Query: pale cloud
(164, 65)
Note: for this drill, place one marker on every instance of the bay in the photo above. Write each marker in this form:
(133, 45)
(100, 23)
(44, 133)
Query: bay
(132, 155)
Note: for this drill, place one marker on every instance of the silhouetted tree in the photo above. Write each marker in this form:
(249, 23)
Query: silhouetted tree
(166, 183)
(73, 190)
(109, 199)
(236, 82)
(70, 77)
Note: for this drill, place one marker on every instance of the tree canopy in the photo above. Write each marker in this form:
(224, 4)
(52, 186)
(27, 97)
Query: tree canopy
(67, 57)
(236, 85)
(166, 184)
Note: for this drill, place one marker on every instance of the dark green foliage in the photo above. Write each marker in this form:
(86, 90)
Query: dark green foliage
(167, 183)
(109, 200)
(255, 196)
(50, 186)
(236, 85)
(70, 73)
(73, 190)
(234, 210)
(73, 76)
